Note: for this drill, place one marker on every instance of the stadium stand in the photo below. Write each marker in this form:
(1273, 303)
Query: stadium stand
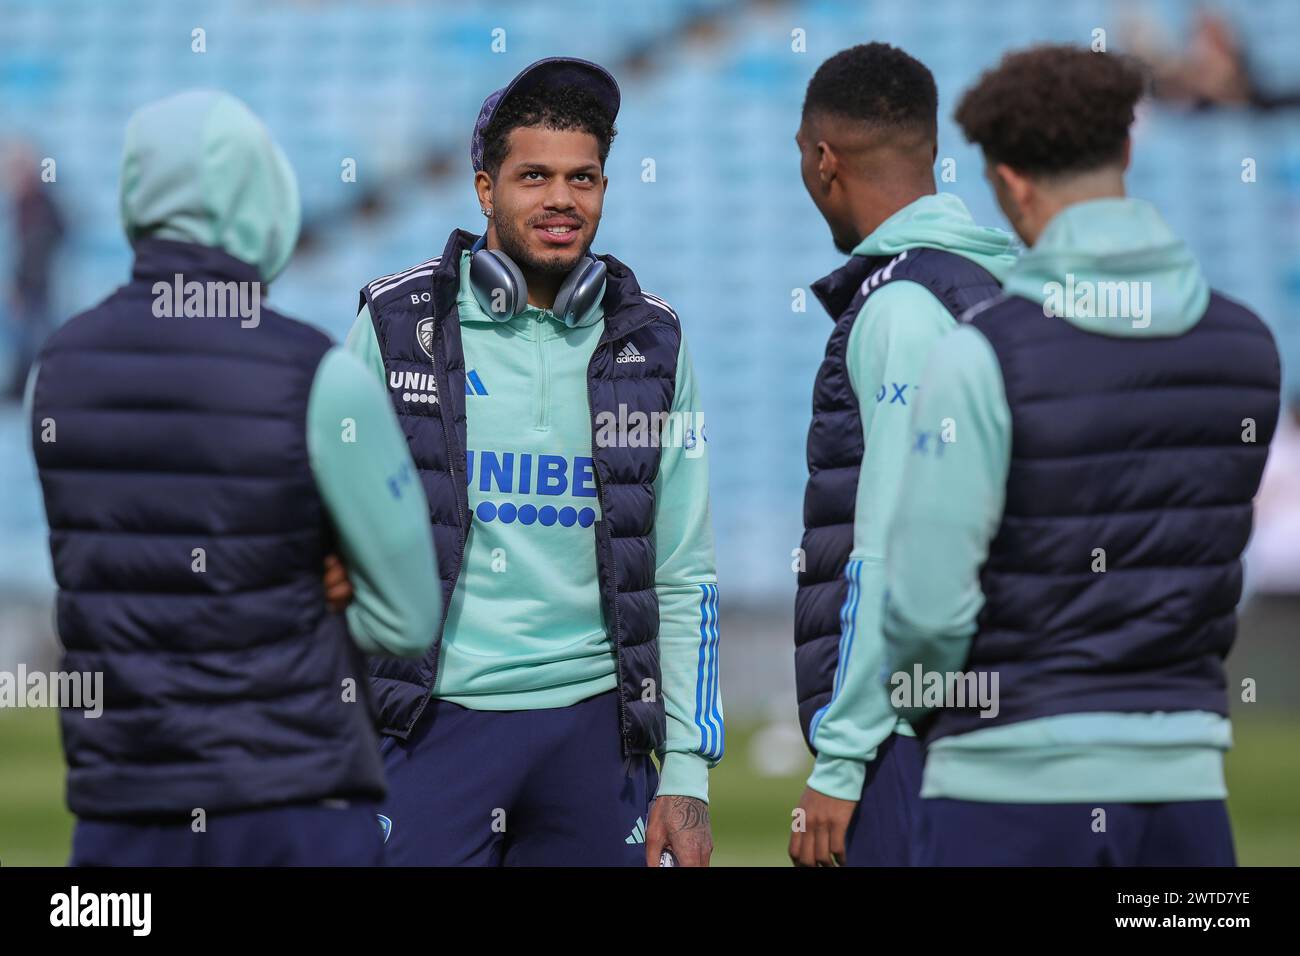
(723, 229)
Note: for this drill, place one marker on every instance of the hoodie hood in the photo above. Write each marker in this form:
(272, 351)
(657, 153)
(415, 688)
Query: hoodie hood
(200, 167)
(942, 221)
(1113, 266)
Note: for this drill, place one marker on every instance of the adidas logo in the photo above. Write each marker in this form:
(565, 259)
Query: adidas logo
(629, 354)
(474, 384)
(638, 831)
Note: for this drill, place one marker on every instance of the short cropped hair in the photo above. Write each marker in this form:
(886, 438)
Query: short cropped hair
(878, 85)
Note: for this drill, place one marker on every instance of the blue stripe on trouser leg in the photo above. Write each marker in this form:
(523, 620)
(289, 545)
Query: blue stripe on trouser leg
(881, 831)
(968, 833)
(530, 788)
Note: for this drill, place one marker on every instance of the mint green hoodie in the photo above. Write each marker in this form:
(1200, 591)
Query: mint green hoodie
(199, 167)
(951, 507)
(887, 350)
(525, 629)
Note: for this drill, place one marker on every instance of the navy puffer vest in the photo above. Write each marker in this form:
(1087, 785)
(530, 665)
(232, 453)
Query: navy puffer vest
(1127, 451)
(835, 446)
(224, 674)
(418, 329)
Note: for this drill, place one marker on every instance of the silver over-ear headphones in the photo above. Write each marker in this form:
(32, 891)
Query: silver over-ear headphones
(502, 293)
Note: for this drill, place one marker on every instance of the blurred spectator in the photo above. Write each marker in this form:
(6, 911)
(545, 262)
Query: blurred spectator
(1214, 70)
(38, 231)
(1273, 561)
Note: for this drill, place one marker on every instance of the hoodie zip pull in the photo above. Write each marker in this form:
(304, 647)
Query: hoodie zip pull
(542, 422)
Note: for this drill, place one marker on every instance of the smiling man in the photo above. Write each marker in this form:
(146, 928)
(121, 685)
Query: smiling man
(577, 567)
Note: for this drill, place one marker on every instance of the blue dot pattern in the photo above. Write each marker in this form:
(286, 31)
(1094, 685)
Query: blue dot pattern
(546, 516)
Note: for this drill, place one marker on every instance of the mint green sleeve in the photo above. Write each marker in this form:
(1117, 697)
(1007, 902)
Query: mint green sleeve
(364, 344)
(371, 489)
(686, 583)
(950, 508)
(886, 354)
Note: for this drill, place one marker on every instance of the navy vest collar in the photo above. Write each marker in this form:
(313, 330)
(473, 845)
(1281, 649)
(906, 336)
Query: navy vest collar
(836, 290)
(161, 259)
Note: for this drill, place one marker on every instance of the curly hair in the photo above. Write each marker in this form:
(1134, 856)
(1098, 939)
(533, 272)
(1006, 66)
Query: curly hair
(558, 107)
(1053, 109)
(877, 84)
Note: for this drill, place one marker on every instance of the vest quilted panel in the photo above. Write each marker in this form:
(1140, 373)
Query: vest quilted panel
(223, 688)
(1134, 447)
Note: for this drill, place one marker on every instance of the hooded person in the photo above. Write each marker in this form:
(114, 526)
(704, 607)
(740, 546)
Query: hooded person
(200, 456)
(1064, 567)
(917, 260)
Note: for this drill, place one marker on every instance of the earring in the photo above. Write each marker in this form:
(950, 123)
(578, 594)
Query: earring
(487, 212)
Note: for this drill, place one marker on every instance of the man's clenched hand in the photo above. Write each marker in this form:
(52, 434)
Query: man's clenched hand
(338, 587)
(820, 841)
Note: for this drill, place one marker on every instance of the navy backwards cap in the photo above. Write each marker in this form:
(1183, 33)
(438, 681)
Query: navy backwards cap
(552, 71)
